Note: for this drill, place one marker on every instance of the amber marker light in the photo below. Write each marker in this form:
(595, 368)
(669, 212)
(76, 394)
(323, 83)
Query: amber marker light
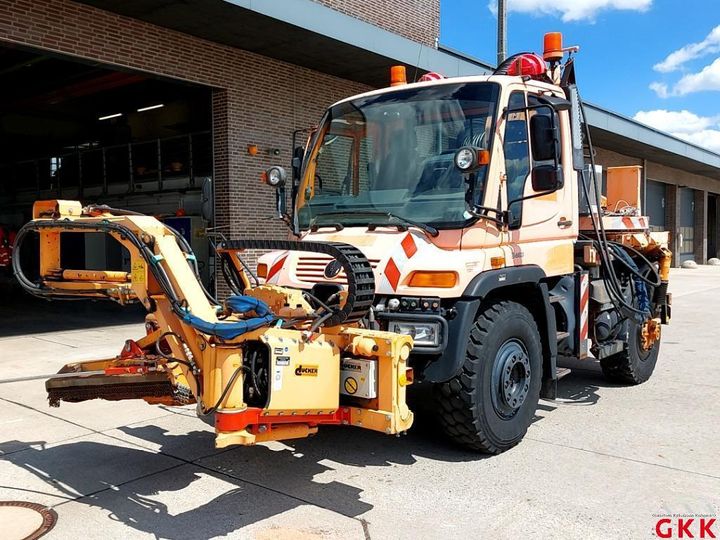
(483, 157)
(497, 262)
(397, 76)
(430, 278)
(262, 270)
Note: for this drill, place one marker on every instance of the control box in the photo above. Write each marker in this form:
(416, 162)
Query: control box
(358, 377)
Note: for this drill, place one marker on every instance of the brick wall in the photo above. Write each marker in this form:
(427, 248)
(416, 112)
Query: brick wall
(255, 100)
(608, 158)
(418, 20)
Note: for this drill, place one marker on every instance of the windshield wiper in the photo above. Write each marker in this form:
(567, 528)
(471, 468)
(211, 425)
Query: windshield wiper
(432, 231)
(315, 227)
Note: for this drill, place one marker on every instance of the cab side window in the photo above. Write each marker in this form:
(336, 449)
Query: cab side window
(517, 154)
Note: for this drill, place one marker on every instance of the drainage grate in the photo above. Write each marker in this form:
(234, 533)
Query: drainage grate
(25, 520)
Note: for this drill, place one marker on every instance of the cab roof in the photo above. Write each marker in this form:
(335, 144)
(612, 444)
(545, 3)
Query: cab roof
(503, 80)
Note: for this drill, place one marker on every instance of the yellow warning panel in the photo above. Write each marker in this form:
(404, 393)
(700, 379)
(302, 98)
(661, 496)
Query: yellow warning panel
(358, 377)
(138, 272)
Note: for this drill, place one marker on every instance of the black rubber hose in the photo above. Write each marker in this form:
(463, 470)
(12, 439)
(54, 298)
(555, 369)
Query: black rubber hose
(105, 209)
(229, 274)
(224, 392)
(192, 261)
(248, 271)
(637, 253)
(153, 265)
(358, 271)
(613, 287)
(318, 301)
(190, 365)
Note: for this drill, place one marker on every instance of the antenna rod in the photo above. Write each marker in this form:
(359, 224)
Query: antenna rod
(501, 31)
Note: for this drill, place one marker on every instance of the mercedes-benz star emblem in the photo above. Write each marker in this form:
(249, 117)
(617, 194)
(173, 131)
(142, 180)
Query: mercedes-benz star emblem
(332, 269)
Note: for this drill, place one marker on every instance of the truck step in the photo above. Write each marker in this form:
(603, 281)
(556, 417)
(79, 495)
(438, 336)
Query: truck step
(562, 372)
(555, 298)
(562, 335)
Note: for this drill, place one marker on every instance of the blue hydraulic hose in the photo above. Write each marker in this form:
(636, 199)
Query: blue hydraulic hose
(230, 330)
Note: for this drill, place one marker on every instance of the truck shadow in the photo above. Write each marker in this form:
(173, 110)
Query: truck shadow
(581, 387)
(246, 485)
(179, 497)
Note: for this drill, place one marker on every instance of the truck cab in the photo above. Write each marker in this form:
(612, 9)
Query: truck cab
(473, 201)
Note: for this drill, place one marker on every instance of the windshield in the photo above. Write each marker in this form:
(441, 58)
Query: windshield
(389, 157)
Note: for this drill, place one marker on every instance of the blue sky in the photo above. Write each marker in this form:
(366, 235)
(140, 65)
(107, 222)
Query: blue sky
(625, 61)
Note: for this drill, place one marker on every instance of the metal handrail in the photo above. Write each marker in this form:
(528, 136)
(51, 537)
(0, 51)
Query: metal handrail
(131, 177)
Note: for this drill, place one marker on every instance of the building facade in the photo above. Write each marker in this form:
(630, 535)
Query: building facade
(262, 71)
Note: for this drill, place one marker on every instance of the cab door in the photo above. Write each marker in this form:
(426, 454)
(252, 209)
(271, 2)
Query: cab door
(541, 229)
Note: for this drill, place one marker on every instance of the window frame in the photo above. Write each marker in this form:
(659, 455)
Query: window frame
(517, 223)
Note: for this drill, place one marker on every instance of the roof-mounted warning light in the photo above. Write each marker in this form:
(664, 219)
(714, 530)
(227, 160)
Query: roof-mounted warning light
(527, 64)
(431, 76)
(553, 50)
(397, 76)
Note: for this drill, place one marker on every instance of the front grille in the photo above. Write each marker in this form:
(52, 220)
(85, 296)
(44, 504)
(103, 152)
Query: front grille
(310, 269)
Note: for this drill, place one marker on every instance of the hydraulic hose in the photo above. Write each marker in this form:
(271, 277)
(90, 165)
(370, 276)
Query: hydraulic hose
(98, 209)
(359, 273)
(613, 283)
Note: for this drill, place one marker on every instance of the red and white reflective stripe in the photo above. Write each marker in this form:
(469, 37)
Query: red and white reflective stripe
(399, 257)
(584, 302)
(634, 222)
(273, 274)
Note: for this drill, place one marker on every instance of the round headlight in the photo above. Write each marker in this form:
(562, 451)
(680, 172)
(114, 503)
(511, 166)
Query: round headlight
(465, 159)
(276, 176)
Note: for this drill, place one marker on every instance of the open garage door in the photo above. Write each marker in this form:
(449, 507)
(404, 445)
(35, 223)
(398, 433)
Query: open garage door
(73, 130)
(81, 131)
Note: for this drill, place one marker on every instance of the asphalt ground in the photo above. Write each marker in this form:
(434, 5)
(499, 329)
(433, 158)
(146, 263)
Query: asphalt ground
(603, 461)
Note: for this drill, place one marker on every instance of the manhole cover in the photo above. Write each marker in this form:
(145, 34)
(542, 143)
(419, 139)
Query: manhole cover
(25, 520)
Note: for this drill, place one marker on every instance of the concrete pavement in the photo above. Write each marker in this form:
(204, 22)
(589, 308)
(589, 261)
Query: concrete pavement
(601, 462)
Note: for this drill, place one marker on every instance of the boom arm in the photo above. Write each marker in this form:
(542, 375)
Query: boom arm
(266, 365)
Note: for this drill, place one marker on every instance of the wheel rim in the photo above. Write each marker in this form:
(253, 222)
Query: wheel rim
(511, 378)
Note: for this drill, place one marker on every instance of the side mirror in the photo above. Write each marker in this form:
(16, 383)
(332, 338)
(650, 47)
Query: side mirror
(547, 178)
(557, 103)
(544, 137)
(297, 160)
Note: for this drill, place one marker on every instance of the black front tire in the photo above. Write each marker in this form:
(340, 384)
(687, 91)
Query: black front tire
(475, 407)
(634, 365)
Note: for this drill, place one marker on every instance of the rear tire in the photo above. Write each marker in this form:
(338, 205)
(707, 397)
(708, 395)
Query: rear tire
(490, 404)
(634, 365)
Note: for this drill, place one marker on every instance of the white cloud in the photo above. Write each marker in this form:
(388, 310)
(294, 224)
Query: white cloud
(661, 89)
(571, 10)
(675, 60)
(705, 80)
(675, 121)
(700, 130)
(708, 138)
